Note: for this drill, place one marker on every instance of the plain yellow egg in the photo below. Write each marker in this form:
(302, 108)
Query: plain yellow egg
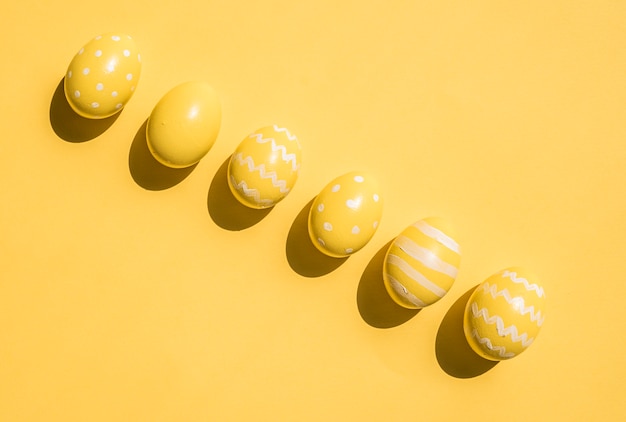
(103, 76)
(422, 263)
(184, 124)
(345, 215)
(504, 315)
(265, 167)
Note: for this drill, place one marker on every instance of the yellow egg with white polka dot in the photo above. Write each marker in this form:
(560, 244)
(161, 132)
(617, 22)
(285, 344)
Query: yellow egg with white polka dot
(422, 263)
(103, 76)
(265, 167)
(504, 315)
(345, 215)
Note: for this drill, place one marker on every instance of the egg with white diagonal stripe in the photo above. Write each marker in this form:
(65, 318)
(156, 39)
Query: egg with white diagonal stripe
(422, 263)
(504, 314)
(264, 167)
(345, 215)
(103, 75)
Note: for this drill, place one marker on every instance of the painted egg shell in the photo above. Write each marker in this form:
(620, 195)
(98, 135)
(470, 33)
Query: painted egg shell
(103, 75)
(345, 214)
(504, 314)
(422, 263)
(184, 124)
(265, 166)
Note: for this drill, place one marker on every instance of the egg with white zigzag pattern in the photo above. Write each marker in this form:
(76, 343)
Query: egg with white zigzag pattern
(264, 167)
(504, 314)
(345, 215)
(422, 263)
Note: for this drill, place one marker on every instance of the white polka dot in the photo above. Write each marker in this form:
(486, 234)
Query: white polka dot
(99, 87)
(354, 204)
(81, 51)
(77, 93)
(86, 71)
(129, 76)
(98, 53)
(328, 227)
(95, 105)
(356, 230)
(336, 188)
(376, 198)
(114, 94)
(118, 105)
(69, 74)
(98, 37)
(358, 179)
(349, 250)
(320, 207)
(375, 224)
(321, 241)
(115, 38)
(126, 53)
(138, 57)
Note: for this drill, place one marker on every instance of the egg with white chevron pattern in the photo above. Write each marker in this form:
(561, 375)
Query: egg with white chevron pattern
(422, 263)
(345, 215)
(264, 167)
(504, 315)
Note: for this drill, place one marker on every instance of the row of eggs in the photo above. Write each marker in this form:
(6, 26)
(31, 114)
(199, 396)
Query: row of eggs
(502, 316)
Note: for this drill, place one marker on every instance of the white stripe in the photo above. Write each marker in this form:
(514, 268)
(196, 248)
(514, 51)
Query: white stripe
(426, 256)
(415, 275)
(438, 235)
(402, 291)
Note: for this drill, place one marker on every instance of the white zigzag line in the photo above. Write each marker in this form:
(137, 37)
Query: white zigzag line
(500, 349)
(502, 330)
(283, 150)
(289, 135)
(250, 192)
(517, 302)
(280, 184)
(513, 276)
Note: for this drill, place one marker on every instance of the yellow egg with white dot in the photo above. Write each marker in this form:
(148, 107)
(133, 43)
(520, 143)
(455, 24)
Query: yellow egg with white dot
(422, 263)
(345, 215)
(504, 314)
(264, 167)
(103, 76)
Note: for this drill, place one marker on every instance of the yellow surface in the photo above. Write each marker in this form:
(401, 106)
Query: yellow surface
(130, 292)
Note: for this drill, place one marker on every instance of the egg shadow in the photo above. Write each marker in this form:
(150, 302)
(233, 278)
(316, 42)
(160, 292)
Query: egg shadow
(375, 305)
(303, 257)
(70, 126)
(454, 354)
(225, 210)
(146, 171)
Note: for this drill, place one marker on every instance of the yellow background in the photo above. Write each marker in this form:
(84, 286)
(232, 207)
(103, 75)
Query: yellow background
(130, 292)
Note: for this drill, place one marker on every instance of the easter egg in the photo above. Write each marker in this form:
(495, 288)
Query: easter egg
(264, 167)
(345, 214)
(103, 75)
(504, 314)
(184, 124)
(422, 263)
